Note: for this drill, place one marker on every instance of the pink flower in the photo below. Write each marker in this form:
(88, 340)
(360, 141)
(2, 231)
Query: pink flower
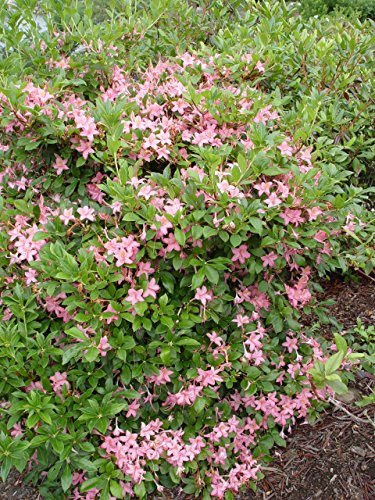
(215, 338)
(260, 67)
(285, 149)
(269, 260)
(263, 188)
(151, 142)
(16, 430)
(273, 200)
(208, 377)
(152, 289)
(60, 165)
(241, 320)
(112, 318)
(314, 213)
(164, 223)
(162, 378)
(292, 216)
(86, 213)
(241, 254)
(171, 243)
(85, 148)
(134, 296)
(67, 216)
(298, 296)
(320, 236)
(132, 409)
(144, 268)
(30, 276)
(59, 380)
(203, 295)
(104, 346)
(290, 344)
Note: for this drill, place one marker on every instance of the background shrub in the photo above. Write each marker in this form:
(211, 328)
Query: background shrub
(359, 8)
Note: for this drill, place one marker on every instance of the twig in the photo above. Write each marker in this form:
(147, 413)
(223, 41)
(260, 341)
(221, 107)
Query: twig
(366, 275)
(354, 417)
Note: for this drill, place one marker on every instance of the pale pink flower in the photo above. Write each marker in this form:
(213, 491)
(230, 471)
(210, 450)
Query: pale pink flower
(203, 295)
(134, 296)
(16, 430)
(104, 346)
(67, 216)
(273, 200)
(144, 268)
(292, 216)
(85, 148)
(320, 236)
(260, 67)
(241, 320)
(162, 378)
(208, 377)
(314, 213)
(86, 213)
(59, 380)
(241, 254)
(60, 165)
(30, 276)
(171, 243)
(285, 149)
(132, 409)
(291, 344)
(269, 259)
(152, 289)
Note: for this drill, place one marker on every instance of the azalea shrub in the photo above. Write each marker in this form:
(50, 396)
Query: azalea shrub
(162, 230)
(320, 70)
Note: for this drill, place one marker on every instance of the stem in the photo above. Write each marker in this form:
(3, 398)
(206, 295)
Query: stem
(354, 417)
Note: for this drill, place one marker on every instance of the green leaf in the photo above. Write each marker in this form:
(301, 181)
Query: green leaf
(40, 235)
(235, 240)
(335, 382)
(168, 281)
(212, 274)
(92, 354)
(199, 404)
(130, 394)
(77, 334)
(257, 225)
(188, 342)
(90, 484)
(116, 489)
(209, 231)
(82, 318)
(66, 478)
(140, 490)
(180, 237)
(166, 356)
(128, 342)
(333, 363)
(71, 353)
(198, 279)
(341, 344)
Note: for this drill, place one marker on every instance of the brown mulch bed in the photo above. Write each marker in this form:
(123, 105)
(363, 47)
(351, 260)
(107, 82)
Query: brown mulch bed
(353, 300)
(334, 459)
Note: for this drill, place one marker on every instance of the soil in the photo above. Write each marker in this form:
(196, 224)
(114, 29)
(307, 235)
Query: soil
(15, 488)
(334, 459)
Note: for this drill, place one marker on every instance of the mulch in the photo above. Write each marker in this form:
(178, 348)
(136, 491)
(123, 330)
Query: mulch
(333, 459)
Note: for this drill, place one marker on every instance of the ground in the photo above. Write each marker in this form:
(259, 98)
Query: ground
(334, 458)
